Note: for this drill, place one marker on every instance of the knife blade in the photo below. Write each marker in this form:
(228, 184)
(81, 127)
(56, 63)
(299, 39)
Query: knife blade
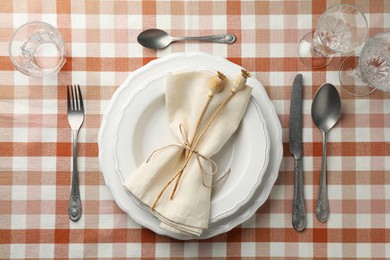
(296, 149)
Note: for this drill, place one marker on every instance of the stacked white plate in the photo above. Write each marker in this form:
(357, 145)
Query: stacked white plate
(134, 125)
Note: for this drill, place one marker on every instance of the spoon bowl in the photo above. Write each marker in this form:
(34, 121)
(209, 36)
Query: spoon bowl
(159, 39)
(325, 111)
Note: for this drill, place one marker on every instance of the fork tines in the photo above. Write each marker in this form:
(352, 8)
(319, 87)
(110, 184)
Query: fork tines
(75, 99)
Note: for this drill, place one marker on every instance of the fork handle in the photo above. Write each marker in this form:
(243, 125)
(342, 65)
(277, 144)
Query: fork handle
(75, 209)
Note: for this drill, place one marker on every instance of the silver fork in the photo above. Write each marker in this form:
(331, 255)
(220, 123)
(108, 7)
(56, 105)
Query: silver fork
(75, 119)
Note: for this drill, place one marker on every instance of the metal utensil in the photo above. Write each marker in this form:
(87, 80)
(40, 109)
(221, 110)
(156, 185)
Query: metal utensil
(75, 119)
(295, 132)
(325, 111)
(159, 39)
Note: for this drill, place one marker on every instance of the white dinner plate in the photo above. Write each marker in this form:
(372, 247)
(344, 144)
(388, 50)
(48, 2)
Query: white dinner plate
(179, 61)
(143, 127)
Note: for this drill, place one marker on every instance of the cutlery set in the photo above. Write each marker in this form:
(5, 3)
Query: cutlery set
(325, 111)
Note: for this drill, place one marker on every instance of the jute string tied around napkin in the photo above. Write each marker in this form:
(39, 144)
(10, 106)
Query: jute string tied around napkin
(191, 151)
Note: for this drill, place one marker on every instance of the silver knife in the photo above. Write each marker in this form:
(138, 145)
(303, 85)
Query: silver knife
(295, 133)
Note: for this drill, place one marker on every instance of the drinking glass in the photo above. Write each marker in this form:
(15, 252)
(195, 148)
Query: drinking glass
(341, 29)
(37, 49)
(371, 71)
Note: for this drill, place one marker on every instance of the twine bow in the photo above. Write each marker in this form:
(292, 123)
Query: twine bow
(189, 151)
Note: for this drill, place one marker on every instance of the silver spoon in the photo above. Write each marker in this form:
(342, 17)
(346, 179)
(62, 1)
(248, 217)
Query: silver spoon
(325, 111)
(159, 39)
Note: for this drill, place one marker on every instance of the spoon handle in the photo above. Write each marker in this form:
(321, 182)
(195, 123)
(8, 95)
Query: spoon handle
(299, 212)
(218, 38)
(322, 209)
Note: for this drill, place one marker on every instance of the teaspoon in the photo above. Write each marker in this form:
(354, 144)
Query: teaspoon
(159, 39)
(325, 111)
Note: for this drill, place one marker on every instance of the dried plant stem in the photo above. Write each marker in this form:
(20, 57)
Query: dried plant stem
(193, 147)
(216, 85)
(180, 173)
(165, 187)
(223, 104)
(190, 152)
(209, 97)
(188, 156)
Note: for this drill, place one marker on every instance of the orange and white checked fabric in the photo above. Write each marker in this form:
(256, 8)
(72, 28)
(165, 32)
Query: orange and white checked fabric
(100, 36)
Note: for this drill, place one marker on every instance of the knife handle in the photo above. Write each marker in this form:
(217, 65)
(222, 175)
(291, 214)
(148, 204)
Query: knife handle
(298, 212)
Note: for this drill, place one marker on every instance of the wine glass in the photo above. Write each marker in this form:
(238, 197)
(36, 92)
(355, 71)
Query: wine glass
(341, 29)
(372, 70)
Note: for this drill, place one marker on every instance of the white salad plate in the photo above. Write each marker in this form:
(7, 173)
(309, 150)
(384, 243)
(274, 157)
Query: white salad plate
(115, 156)
(142, 128)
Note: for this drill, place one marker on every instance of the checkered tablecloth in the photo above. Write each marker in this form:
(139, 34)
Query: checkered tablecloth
(100, 37)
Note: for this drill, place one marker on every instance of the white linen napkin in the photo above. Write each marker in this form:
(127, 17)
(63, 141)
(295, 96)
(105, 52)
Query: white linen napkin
(188, 211)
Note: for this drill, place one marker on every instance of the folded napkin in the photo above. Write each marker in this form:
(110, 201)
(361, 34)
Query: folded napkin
(185, 96)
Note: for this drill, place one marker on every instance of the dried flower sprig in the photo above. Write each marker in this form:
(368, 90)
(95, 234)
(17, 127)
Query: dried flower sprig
(216, 86)
(239, 84)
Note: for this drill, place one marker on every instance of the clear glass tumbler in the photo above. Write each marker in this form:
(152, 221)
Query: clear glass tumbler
(340, 29)
(37, 49)
(361, 77)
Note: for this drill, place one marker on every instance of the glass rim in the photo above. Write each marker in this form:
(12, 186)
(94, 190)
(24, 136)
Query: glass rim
(44, 71)
(337, 6)
(366, 45)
